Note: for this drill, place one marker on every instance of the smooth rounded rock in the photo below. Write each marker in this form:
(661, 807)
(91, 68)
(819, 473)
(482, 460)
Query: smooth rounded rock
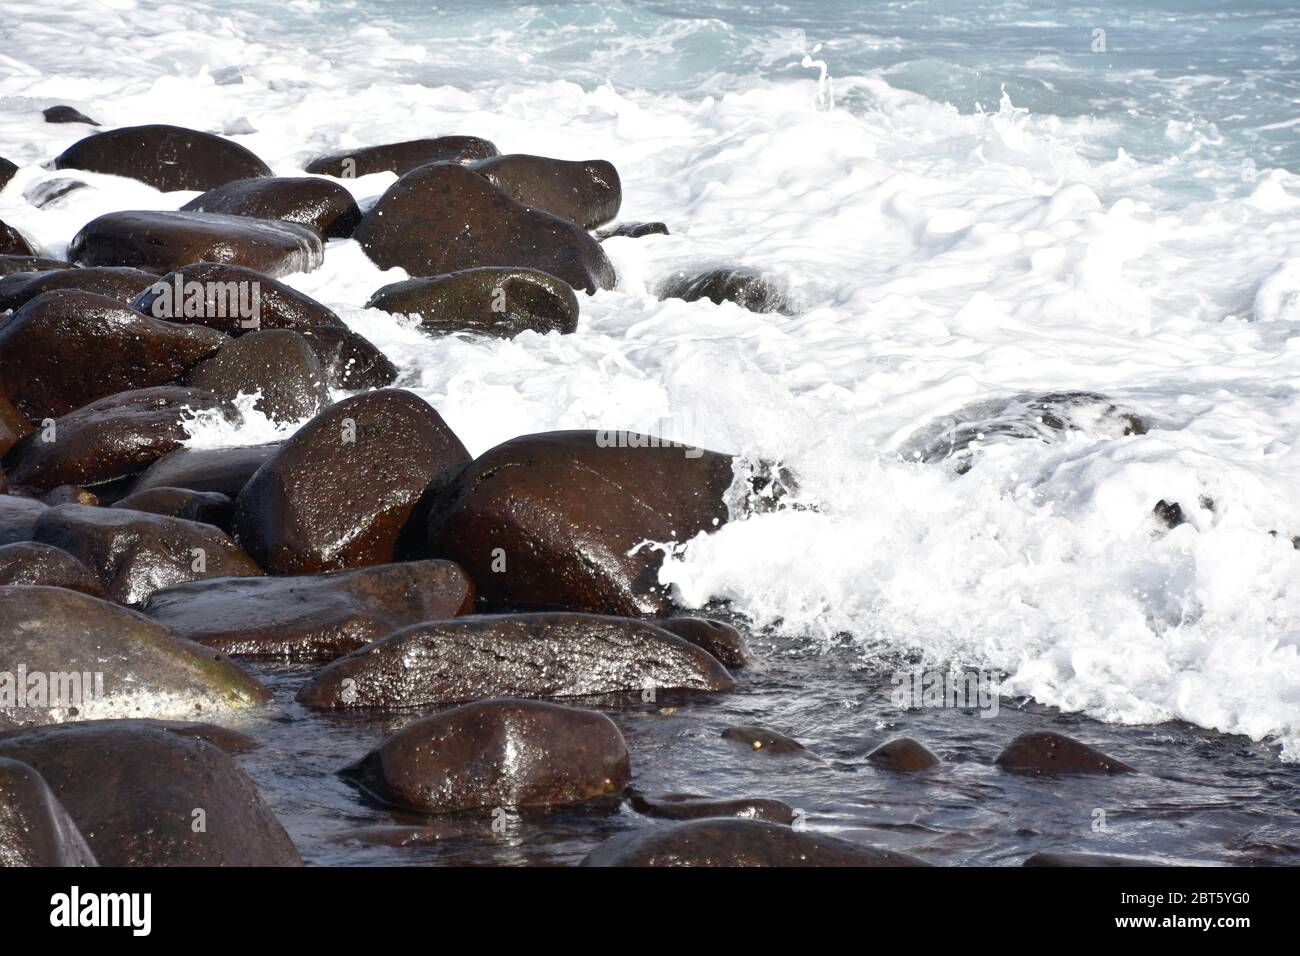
(18, 517)
(737, 843)
(119, 283)
(221, 470)
(69, 656)
(232, 299)
(444, 218)
(35, 564)
(205, 507)
(721, 640)
(35, 829)
(339, 492)
(134, 791)
(169, 158)
(497, 753)
(312, 617)
(351, 362)
(512, 655)
(113, 438)
(66, 114)
(492, 301)
(277, 364)
(762, 740)
(135, 553)
(904, 755)
(689, 806)
(13, 242)
(569, 513)
(400, 158)
(161, 241)
(586, 193)
(1042, 752)
(65, 349)
(306, 200)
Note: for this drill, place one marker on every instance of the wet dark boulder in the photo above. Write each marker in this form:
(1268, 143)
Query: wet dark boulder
(1042, 752)
(122, 284)
(205, 507)
(351, 362)
(689, 806)
(632, 230)
(169, 158)
(11, 265)
(66, 114)
(84, 658)
(278, 364)
(14, 425)
(135, 553)
(903, 754)
(306, 200)
(34, 564)
(957, 439)
(586, 193)
(340, 491)
(737, 843)
(113, 438)
(7, 170)
(68, 348)
(232, 299)
(721, 640)
(491, 301)
(18, 517)
(745, 287)
(561, 519)
(35, 829)
(445, 217)
(762, 740)
(400, 158)
(222, 470)
(70, 495)
(145, 797)
(497, 753)
(312, 617)
(13, 242)
(512, 655)
(161, 241)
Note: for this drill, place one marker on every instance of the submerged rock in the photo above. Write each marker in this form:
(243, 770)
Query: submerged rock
(35, 564)
(444, 218)
(161, 241)
(35, 829)
(339, 492)
(135, 553)
(122, 284)
(50, 192)
(66, 114)
(110, 439)
(277, 364)
(313, 617)
(746, 288)
(169, 158)
(497, 753)
(737, 843)
(632, 230)
(306, 200)
(69, 656)
(222, 470)
(562, 519)
(491, 301)
(1042, 752)
(143, 796)
(958, 438)
(586, 193)
(67, 348)
(721, 640)
(764, 740)
(689, 806)
(400, 158)
(512, 655)
(903, 754)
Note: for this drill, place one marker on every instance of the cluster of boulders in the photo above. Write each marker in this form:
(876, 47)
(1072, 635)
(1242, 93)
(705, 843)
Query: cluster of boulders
(370, 544)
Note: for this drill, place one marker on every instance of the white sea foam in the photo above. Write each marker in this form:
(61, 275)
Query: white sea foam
(939, 254)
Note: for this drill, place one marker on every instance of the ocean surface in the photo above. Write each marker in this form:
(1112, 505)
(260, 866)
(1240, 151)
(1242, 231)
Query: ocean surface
(968, 202)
